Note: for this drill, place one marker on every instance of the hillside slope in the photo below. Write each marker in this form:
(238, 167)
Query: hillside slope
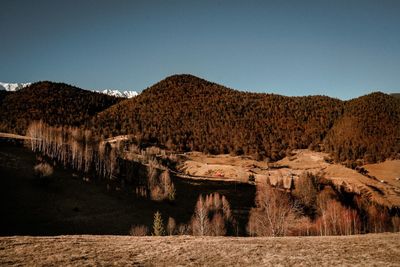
(368, 129)
(185, 113)
(54, 103)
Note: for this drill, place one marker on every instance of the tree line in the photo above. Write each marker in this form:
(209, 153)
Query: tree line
(312, 209)
(94, 157)
(56, 104)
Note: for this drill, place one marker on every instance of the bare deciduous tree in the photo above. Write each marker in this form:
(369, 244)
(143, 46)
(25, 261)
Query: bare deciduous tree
(200, 222)
(212, 215)
(274, 212)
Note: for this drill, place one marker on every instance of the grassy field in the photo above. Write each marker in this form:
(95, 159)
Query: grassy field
(362, 250)
(388, 171)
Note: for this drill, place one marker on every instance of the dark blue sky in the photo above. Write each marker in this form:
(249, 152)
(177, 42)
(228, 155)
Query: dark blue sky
(337, 48)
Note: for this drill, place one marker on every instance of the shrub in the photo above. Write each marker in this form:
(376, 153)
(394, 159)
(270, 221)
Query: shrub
(171, 226)
(184, 229)
(43, 170)
(139, 230)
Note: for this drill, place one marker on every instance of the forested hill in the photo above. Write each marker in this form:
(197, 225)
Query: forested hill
(184, 112)
(54, 103)
(369, 129)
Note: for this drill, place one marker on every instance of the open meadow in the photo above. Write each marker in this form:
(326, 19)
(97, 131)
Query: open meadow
(91, 250)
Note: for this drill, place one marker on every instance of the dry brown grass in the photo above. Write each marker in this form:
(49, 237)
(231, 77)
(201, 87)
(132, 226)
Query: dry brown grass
(388, 171)
(236, 168)
(361, 250)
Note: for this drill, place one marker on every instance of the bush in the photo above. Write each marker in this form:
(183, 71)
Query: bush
(139, 230)
(171, 226)
(43, 170)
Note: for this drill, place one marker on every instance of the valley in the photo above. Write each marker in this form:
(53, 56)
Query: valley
(200, 133)
(70, 205)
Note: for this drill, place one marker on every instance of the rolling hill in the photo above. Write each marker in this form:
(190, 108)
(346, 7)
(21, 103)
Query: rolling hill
(368, 129)
(186, 113)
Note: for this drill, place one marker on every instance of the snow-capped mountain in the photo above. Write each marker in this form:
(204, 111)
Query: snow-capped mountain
(126, 94)
(12, 87)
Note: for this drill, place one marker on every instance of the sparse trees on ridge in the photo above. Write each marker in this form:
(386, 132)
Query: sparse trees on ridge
(88, 154)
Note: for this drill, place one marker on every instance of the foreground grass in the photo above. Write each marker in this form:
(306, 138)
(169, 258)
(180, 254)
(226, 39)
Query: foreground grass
(361, 250)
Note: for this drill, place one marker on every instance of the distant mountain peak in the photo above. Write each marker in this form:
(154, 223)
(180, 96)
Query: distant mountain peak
(117, 93)
(12, 87)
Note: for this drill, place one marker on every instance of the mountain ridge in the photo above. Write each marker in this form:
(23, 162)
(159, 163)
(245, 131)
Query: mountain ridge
(54, 103)
(187, 113)
(13, 87)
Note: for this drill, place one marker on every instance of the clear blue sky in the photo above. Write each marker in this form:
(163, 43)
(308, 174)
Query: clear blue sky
(338, 48)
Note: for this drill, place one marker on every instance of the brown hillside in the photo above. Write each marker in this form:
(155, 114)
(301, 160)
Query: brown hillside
(368, 129)
(54, 103)
(187, 113)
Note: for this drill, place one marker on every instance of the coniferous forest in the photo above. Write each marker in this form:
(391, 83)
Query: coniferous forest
(186, 113)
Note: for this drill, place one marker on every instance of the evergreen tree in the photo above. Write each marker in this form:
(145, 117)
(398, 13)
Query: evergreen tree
(158, 225)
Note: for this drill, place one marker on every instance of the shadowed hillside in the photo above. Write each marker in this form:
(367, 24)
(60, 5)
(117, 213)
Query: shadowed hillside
(185, 113)
(3, 95)
(54, 103)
